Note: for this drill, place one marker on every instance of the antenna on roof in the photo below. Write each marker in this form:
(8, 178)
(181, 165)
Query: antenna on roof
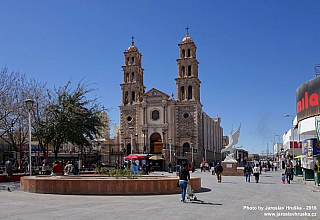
(317, 70)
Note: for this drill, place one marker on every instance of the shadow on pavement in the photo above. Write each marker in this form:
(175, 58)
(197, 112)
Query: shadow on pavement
(203, 190)
(200, 202)
(266, 183)
(229, 182)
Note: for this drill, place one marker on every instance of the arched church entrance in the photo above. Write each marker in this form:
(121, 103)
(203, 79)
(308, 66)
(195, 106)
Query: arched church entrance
(155, 143)
(156, 148)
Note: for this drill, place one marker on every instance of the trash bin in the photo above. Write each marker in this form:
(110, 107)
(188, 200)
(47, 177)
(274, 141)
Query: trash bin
(308, 174)
(298, 171)
(316, 178)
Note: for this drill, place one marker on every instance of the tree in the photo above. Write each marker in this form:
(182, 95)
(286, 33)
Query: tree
(14, 89)
(72, 117)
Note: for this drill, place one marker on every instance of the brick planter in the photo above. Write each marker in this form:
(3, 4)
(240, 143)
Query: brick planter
(99, 185)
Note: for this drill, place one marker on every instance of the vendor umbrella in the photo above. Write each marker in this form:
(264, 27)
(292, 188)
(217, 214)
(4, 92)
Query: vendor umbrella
(134, 156)
(155, 157)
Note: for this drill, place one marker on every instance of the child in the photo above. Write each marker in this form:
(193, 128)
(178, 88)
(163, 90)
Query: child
(283, 178)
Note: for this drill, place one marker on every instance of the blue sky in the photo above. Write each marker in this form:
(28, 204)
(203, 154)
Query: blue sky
(253, 54)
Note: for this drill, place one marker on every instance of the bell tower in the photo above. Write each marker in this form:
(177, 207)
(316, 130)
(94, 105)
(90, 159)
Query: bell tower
(132, 86)
(187, 82)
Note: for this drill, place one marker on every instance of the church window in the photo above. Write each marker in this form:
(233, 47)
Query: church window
(182, 93)
(155, 115)
(127, 77)
(186, 147)
(186, 115)
(132, 77)
(182, 70)
(183, 53)
(132, 60)
(189, 53)
(189, 70)
(190, 92)
(133, 98)
(126, 98)
(129, 119)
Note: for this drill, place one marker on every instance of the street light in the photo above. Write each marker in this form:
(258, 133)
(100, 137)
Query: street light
(29, 105)
(292, 134)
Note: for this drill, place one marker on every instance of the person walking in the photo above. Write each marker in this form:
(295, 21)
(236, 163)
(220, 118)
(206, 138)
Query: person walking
(8, 168)
(184, 177)
(256, 172)
(288, 172)
(218, 170)
(247, 171)
(201, 167)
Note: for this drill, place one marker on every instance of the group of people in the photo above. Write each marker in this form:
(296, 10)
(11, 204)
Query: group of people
(70, 168)
(255, 170)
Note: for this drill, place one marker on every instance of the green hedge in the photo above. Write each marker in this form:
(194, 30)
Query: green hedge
(117, 173)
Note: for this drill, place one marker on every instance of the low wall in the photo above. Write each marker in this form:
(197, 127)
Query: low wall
(15, 177)
(99, 185)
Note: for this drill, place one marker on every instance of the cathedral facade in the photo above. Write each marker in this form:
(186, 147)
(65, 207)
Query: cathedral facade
(153, 122)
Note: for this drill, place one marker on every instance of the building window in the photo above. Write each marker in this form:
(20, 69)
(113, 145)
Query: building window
(182, 93)
(133, 97)
(182, 71)
(186, 115)
(183, 53)
(155, 115)
(132, 77)
(186, 147)
(129, 119)
(132, 60)
(189, 53)
(189, 70)
(126, 98)
(190, 92)
(127, 77)
(128, 59)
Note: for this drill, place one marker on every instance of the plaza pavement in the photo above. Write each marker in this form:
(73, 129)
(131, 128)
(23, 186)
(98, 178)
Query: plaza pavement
(231, 199)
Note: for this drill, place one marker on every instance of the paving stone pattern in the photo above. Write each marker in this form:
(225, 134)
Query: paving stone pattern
(226, 200)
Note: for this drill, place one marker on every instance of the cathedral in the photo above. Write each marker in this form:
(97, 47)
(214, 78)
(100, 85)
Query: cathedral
(152, 122)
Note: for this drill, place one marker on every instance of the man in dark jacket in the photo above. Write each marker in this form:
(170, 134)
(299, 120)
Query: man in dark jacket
(218, 170)
(247, 171)
(289, 173)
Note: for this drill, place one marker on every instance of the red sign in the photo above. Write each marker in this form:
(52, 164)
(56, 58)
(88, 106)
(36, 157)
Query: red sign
(307, 96)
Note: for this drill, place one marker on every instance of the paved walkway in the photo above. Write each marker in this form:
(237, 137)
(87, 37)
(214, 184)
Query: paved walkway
(231, 199)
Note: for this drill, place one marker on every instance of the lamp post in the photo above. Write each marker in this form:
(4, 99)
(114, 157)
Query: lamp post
(170, 139)
(131, 130)
(191, 152)
(292, 135)
(29, 105)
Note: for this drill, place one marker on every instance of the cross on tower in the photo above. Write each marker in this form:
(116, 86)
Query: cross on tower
(187, 28)
(132, 41)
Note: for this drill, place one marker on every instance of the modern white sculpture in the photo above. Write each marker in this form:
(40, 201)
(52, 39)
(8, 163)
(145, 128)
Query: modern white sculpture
(231, 148)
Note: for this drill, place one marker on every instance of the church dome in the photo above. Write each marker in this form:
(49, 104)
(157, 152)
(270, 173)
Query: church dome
(132, 48)
(187, 39)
